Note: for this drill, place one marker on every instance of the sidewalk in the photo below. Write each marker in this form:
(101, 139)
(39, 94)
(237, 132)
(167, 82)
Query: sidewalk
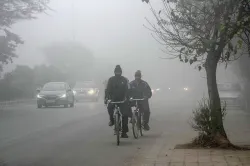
(162, 152)
(195, 157)
(13, 102)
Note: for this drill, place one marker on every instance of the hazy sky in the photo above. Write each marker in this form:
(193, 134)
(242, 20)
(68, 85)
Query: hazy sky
(112, 29)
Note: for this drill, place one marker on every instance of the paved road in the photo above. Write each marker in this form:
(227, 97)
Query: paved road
(80, 136)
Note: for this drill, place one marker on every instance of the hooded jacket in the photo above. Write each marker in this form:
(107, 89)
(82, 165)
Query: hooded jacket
(117, 88)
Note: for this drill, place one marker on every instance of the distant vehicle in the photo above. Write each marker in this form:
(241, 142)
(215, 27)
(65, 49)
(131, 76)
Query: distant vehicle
(155, 90)
(55, 94)
(86, 90)
(176, 93)
(230, 93)
(175, 89)
(105, 82)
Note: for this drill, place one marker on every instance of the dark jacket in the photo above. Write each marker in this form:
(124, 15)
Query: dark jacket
(117, 88)
(140, 90)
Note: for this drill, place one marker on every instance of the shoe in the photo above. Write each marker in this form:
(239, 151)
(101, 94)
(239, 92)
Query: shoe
(111, 123)
(146, 127)
(124, 135)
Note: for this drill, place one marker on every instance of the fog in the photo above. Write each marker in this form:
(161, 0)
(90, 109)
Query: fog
(114, 32)
(53, 106)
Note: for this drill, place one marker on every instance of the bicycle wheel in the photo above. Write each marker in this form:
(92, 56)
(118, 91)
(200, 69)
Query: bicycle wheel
(139, 122)
(117, 128)
(135, 125)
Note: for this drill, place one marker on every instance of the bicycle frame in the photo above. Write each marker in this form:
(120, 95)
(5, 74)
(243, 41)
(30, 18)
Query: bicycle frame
(118, 119)
(117, 108)
(117, 111)
(136, 103)
(137, 115)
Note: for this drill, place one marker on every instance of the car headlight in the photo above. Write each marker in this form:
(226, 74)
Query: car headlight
(153, 90)
(39, 96)
(185, 89)
(91, 92)
(63, 96)
(74, 92)
(157, 89)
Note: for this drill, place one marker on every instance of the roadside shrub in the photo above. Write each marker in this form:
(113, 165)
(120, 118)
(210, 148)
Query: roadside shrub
(201, 122)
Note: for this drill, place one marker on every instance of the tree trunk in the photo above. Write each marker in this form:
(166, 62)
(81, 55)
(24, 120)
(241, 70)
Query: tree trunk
(218, 131)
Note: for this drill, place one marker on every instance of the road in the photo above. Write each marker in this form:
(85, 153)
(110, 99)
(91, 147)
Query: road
(80, 135)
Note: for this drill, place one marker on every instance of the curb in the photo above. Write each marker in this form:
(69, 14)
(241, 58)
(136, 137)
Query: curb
(14, 102)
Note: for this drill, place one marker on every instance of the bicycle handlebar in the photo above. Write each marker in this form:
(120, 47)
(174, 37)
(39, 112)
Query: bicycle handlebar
(136, 99)
(116, 102)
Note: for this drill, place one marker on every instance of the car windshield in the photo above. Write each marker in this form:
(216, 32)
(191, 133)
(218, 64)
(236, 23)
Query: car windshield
(84, 85)
(54, 87)
(228, 87)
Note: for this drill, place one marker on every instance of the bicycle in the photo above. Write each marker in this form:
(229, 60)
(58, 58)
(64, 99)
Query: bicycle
(137, 118)
(117, 120)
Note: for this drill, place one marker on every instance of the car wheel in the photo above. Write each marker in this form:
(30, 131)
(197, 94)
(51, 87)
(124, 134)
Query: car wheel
(72, 104)
(39, 106)
(245, 105)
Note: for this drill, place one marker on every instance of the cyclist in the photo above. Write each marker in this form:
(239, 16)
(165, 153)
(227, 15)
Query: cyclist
(116, 90)
(140, 89)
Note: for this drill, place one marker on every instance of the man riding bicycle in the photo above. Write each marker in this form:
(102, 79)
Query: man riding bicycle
(140, 89)
(117, 90)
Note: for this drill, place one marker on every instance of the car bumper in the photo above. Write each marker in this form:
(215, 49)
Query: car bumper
(230, 101)
(56, 102)
(230, 98)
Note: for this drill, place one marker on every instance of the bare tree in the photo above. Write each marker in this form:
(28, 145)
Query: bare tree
(205, 33)
(10, 13)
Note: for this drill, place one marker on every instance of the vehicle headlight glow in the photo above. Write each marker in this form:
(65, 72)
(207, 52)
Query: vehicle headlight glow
(74, 92)
(39, 96)
(63, 96)
(91, 92)
(158, 89)
(153, 90)
(186, 89)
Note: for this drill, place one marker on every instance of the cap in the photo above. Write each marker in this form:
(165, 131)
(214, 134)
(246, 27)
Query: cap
(138, 73)
(118, 68)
